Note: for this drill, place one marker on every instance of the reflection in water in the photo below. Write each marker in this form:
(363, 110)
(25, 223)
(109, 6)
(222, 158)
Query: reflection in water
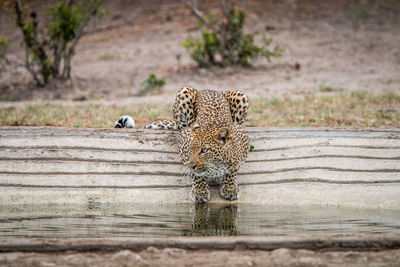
(213, 221)
(127, 220)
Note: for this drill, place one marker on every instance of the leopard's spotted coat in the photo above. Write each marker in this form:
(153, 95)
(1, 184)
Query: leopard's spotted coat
(213, 142)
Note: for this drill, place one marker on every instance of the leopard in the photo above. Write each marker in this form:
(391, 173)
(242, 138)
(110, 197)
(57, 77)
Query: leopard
(213, 142)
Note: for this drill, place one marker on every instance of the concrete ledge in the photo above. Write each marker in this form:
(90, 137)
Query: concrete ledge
(320, 243)
(336, 167)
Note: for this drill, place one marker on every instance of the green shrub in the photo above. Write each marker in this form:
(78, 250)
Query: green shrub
(3, 49)
(359, 12)
(151, 84)
(226, 44)
(3, 46)
(49, 53)
(203, 51)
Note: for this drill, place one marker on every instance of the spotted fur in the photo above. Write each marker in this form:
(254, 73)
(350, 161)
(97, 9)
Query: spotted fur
(213, 143)
(238, 104)
(162, 125)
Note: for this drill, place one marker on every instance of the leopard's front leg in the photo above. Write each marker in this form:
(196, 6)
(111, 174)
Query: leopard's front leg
(200, 191)
(229, 187)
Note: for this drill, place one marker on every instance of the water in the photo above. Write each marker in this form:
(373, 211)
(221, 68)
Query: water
(190, 220)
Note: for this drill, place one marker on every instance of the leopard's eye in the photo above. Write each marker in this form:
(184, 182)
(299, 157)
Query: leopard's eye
(204, 150)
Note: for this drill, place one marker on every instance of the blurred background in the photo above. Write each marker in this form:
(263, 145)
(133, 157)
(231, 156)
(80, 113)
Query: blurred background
(302, 62)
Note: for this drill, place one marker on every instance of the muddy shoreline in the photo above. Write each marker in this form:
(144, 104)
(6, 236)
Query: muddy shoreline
(236, 251)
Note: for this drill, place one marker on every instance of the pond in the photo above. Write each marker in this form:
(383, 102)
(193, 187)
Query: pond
(135, 220)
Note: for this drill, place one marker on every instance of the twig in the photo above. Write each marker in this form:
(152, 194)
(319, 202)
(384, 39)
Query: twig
(225, 9)
(197, 13)
(31, 70)
(20, 14)
(79, 32)
(91, 10)
(244, 6)
(33, 44)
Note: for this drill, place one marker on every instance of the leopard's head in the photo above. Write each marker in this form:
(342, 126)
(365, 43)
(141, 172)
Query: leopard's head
(208, 149)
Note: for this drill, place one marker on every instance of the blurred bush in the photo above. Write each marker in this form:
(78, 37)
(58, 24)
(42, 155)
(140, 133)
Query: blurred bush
(151, 85)
(49, 50)
(3, 46)
(223, 41)
(359, 12)
(3, 50)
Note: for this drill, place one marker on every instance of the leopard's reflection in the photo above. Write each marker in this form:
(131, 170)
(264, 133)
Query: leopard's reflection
(213, 220)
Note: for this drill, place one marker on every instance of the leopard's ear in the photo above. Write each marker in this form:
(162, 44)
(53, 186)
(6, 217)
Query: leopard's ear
(223, 134)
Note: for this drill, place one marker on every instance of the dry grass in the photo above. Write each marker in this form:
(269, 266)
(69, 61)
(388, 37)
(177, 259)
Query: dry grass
(86, 116)
(358, 109)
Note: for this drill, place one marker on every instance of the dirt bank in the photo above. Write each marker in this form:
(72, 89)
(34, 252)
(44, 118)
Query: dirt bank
(139, 38)
(180, 257)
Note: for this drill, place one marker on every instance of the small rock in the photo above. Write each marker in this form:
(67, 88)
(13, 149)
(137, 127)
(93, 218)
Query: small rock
(310, 261)
(281, 252)
(125, 258)
(152, 250)
(174, 252)
(282, 255)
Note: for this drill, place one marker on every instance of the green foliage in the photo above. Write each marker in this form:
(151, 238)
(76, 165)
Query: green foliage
(359, 12)
(168, 17)
(203, 51)
(49, 53)
(3, 46)
(227, 45)
(3, 50)
(28, 31)
(324, 88)
(151, 84)
(64, 20)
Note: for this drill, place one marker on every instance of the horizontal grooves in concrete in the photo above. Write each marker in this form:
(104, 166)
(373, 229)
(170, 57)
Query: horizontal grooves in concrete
(55, 158)
(377, 196)
(35, 158)
(173, 186)
(85, 148)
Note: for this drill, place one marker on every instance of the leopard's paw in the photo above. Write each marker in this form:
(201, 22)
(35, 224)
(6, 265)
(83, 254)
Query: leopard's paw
(230, 192)
(124, 121)
(162, 125)
(200, 195)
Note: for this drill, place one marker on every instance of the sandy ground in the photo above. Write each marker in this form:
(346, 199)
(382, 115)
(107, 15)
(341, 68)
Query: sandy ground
(179, 257)
(137, 39)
